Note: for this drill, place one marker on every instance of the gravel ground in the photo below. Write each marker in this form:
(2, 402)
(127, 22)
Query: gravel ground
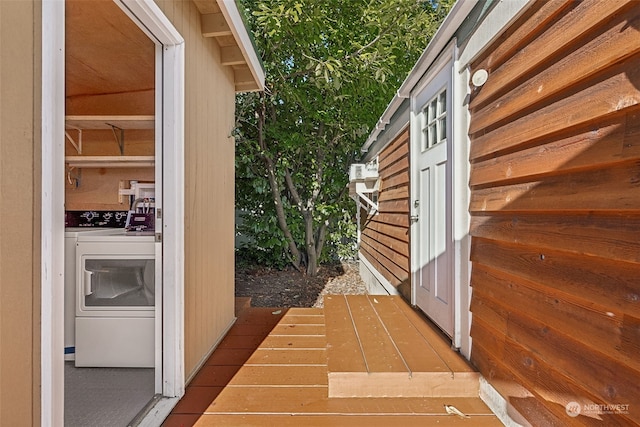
(289, 288)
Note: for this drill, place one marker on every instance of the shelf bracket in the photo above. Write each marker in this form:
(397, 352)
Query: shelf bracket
(76, 144)
(74, 176)
(119, 139)
(364, 191)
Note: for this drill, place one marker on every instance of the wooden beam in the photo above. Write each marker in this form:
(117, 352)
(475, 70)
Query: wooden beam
(214, 25)
(231, 55)
(247, 87)
(243, 75)
(207, 6)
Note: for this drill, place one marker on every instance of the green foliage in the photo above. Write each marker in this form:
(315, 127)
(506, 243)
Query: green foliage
(266, 244)
(342, 243)
(332, 66)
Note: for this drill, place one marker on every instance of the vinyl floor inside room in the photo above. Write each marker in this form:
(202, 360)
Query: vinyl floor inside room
(105, 397)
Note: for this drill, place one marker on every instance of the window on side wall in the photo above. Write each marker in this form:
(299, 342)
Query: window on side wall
(434, 121)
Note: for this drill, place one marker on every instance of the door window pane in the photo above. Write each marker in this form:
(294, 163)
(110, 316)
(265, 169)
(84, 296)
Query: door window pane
(434, 121)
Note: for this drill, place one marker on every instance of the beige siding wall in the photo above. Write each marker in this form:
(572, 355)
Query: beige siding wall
(555, 207)
(19, 223)
(385, 235)
(209, 193)
(209, 189)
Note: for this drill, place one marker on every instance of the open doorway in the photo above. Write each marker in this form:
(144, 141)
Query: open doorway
(169, 179)
(112, 363)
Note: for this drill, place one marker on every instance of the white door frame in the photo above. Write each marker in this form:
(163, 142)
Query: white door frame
(170, 105)
(171, 126)
(459, 274)
(52, 217)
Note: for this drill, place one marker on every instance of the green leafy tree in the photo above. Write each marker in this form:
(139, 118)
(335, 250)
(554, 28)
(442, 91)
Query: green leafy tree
(332, 66)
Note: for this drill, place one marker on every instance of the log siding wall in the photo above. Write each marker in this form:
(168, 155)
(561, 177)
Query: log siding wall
(555, 206)
(385, 235)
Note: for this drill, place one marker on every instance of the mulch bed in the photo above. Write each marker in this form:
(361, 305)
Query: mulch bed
(290, 288)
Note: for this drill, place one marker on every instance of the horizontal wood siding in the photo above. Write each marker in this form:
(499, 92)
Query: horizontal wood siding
(209, 187)
(385, 234)
(555, 205)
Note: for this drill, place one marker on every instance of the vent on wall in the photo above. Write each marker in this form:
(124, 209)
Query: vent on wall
(364, 183)
(362, 171)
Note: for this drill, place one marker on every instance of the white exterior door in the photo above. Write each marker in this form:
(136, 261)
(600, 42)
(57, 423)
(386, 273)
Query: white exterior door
(431, 229)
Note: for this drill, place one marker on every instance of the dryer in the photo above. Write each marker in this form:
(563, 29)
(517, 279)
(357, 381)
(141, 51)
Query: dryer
(70, 241)
(115, 301)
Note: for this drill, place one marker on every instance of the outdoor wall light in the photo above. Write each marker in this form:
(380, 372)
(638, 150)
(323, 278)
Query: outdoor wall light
(479, 77)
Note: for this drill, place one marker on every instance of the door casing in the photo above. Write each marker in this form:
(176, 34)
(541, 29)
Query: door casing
(460, 268)
(431, 228)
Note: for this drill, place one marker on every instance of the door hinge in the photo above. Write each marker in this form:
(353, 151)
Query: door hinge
(159, 213)
(158, 237)
(414, 218)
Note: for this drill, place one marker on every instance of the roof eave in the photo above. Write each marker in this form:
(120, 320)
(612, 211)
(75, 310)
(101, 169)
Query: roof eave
(233, 17)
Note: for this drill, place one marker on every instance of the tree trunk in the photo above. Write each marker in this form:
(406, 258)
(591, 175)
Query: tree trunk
(321, 237)
(310, 244)
(276, 194)
(282, 219)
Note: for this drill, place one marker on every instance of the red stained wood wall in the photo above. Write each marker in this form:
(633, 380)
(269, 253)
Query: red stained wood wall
(555, 205)
(385, 234)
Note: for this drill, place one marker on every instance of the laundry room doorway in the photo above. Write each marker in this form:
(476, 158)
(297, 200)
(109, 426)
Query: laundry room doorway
(113, 357)
(122, 113)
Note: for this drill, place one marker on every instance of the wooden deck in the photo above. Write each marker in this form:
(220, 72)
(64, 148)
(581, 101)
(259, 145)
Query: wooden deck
(280, 367)
(380, 347)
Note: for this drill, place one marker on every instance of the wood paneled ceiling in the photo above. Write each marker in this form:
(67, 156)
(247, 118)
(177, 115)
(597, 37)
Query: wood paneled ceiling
(106, 52)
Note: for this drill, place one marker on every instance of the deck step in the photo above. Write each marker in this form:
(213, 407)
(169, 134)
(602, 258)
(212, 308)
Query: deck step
(377, 346)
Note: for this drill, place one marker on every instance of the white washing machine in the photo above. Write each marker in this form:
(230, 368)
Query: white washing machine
(70, 240)
(115, 301)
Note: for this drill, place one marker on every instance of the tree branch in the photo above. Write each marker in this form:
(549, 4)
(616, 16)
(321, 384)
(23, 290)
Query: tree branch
(292, 188)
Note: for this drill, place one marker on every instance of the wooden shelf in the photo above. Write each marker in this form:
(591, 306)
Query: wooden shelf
(109, 122)
(110, 161)
(116, 124)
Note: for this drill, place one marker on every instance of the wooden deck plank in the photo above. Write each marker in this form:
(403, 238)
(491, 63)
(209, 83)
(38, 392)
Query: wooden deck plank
(266, 356)
(229, 356)
(238, 420)
(242, 304)
(280, 375)
(304, 311)
(260, 316)
(248, 329)
(381, 355)
(403, 385)
(402, 359)
(455, 362)
(241, 341)
(301, 319)
(285, 382)
(418, 420)
(293, 341)
(307, 400)
(214, 376)
(343, 353)
(414, 347)
(298, 329)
